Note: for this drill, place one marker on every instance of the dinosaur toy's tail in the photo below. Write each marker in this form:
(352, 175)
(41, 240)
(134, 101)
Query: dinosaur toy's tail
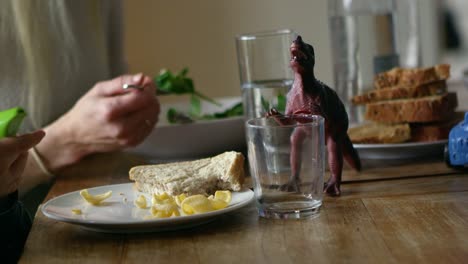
(350, 154)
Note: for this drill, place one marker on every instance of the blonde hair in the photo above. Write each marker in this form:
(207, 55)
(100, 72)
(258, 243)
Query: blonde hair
(44, 32)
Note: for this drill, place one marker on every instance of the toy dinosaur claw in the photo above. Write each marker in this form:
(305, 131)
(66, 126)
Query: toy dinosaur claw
(291, 186)
(332, 188)
(272, 112)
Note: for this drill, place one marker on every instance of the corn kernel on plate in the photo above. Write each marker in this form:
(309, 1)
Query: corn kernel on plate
(121, 208)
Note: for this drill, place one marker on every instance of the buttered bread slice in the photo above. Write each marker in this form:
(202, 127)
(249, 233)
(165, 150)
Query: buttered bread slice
(203, 176)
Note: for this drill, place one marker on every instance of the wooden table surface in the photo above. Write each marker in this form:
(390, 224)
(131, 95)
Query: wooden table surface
(413, 212)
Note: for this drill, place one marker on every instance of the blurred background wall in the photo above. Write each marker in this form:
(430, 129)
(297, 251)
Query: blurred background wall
(200, 34)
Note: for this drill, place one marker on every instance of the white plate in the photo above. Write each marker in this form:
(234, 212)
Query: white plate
(401, 150)
(198, 139)
(118, 216)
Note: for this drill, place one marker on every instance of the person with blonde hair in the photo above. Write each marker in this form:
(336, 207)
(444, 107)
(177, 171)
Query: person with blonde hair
(62, 60)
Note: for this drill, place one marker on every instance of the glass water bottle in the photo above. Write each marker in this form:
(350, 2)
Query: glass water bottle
(367, 38)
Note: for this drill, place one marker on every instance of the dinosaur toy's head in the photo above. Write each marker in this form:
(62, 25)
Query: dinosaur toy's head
(302, 56)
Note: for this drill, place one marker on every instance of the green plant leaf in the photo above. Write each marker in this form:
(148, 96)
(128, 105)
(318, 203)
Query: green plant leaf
(265, 104)
(195, 106)
(175, 117)
(236, 110)
(281, 103)
(168, 83)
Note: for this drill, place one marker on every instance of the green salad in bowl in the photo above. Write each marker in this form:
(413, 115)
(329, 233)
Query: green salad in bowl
(169, 83)
(196, 128)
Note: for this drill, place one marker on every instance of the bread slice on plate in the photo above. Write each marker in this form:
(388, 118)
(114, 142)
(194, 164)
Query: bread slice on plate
(204, 176)
(411, 77)
(424, 109)
(434, 131)
(400, 92)
(375, 133)
(407, 105)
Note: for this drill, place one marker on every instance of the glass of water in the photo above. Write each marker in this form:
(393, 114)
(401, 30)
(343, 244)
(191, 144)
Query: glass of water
(287, 159)
(265, 74)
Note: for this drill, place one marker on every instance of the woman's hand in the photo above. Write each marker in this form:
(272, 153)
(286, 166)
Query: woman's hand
(13, 157)
(107, 118)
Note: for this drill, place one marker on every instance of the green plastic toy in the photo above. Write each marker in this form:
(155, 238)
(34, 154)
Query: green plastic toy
(10, 121)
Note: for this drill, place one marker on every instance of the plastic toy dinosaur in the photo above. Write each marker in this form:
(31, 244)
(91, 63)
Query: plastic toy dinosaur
(310, 96)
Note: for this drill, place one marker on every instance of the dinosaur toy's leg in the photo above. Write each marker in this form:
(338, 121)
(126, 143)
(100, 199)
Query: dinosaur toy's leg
(297, 137)
(335, 163)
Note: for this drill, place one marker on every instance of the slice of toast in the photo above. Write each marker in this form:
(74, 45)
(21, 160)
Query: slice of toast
(399, 92)
(411, 77)
(424, 109)
(374, 133)
(434, 131)
(204, 176)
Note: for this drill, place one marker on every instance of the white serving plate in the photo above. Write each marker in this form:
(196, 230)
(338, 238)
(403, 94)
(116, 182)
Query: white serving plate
(118, 214)
(198, 139)
(409, 150)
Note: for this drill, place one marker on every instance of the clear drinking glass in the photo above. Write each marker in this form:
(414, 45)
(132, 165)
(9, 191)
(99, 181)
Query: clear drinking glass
(287, 159)
(264, 70)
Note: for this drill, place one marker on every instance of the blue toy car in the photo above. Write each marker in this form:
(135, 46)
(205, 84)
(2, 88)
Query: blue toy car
(456, 150)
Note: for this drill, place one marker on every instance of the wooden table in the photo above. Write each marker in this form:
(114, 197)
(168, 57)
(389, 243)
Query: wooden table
(406, 213)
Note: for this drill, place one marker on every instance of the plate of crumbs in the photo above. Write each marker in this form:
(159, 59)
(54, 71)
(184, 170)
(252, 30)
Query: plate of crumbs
(121, 208)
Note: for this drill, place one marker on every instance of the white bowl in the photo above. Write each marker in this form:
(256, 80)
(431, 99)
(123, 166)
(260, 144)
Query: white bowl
(198, 139)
